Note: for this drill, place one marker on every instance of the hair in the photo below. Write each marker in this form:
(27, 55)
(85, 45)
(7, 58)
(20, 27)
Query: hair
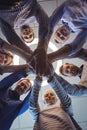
(9, 54)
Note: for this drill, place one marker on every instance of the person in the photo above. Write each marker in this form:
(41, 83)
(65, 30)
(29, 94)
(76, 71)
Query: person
(69, 70)
(62, 34)
(73, 14)
(14, 14)
(27, 33)
(53, 117)
(6, 58)
(10, 104)
(72, 70)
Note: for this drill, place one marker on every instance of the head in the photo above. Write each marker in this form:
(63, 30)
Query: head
(6, 58)
(23, 86)
(69, 70)
(62, 34)
(50, 97)
(27, 33)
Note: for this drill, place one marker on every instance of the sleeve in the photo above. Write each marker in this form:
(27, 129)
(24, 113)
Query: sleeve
(11, 79)
(55, 18)
(61, 93)
(71, 48)
(33, 103)
(72, 89)
(79, 41)
(5, 46)
(12, 37)
(25, 104)
(43, 21)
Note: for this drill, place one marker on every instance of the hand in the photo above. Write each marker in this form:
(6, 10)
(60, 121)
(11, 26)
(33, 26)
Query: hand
(40, 59)
(49, 70)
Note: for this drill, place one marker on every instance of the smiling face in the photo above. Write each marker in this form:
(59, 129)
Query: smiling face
(6, 58)
(23, 86)
(61, 34)
(27, 33)
(69, 70)
(50, 97)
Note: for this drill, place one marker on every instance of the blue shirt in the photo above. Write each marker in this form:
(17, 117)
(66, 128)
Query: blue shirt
(10, 104)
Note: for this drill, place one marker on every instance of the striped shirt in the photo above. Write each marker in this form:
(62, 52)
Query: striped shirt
(52, 118)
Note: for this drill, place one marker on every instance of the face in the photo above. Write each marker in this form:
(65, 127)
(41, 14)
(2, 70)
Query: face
(50, 97)
(5, 59)
(61, 34)
(23, 86)
(27, 34)
(70, 70)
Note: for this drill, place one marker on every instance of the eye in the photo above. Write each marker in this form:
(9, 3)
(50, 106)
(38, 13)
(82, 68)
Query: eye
(58, 34)
(25, 37)
(22, 84)
(5, 61)
(51, 94)
(62, 38)
(64, 32)
(46, 95)
(30, 36)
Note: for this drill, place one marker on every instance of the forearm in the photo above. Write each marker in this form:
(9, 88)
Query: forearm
(12, 68)
(12, 78)
(12, 37)
(60, 54)
(33, 103)
(43, 21)
(79, 41)
(72, 89)
(7, 47)
(64, 98)
(54, 19)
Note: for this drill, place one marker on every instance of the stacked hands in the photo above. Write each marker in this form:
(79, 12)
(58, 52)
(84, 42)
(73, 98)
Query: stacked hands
(39, 63)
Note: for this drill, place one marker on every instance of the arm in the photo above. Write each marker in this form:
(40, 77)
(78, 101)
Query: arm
(14, 49)
(55, 18)
(12, 78)
(71, 48)
(64, 98)
(12, 37)
(33, 103)
(43, 21)
(72, 89)
(39, 54)
(12, 68)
